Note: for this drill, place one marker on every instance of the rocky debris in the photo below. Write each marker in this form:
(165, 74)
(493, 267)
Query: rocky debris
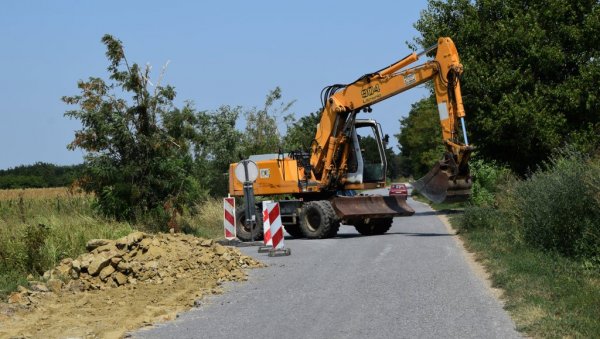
(140, 258)
(54, 285)
(95, 243)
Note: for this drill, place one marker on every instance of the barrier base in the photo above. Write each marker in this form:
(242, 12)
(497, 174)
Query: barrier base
(279, 252)
(264, 249)
(239, 243)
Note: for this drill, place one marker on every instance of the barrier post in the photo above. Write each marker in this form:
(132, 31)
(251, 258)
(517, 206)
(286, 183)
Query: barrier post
(268, 242)
(278, 248)
(229, 218)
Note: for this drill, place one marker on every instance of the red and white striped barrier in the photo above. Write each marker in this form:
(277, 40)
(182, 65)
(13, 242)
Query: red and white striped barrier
(229, 218)
(266, 224)
(276, 226)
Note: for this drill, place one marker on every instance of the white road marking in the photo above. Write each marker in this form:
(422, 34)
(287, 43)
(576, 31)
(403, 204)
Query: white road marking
(387, 249)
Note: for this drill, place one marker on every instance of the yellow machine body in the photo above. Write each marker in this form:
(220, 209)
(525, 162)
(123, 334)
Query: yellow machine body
(323, 179)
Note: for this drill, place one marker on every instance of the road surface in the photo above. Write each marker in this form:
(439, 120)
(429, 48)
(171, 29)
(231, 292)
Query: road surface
(412, 282)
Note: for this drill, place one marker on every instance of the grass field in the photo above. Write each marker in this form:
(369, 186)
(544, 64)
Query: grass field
(40, 227)
(38, 193)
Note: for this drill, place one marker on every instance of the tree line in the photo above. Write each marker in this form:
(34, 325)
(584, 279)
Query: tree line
(38, 175)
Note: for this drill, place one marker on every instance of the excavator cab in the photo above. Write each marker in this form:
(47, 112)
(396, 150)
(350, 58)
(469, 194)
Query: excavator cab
(366, 161)
(367, 164)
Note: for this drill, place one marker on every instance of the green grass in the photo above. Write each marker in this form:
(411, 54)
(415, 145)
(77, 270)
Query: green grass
(548, 295)
(36, 233)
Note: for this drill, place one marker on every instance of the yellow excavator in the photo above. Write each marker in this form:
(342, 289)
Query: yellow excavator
(317, 188)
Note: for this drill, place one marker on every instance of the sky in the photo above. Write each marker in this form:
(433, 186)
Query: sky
(218, 53)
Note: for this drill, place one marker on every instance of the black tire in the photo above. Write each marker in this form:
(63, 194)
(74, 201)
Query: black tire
(374, 227)
(294, 230)
(318, 220)
(243, 232)
(335, 222)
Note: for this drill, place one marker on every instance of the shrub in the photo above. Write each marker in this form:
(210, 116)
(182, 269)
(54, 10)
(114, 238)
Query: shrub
(488, 179)
(558, 208)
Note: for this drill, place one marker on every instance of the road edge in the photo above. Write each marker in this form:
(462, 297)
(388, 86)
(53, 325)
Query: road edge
(471, 258)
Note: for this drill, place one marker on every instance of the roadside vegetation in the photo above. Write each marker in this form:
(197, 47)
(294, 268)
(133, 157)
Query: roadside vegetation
(40, 227)
(539, 238)
(532, 102)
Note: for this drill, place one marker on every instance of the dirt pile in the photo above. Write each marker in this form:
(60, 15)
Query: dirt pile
(131, 281)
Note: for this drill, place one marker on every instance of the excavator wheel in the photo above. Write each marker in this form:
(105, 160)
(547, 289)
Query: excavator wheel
(318, 220)
(334, 221)
(374, 227)
(335, 227)
(294, 230)
(243, 231)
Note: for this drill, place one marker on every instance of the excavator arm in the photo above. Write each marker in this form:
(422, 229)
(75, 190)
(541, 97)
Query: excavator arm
(321, 182)
(449, 179)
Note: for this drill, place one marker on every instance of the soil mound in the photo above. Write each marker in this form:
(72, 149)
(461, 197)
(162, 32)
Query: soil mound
(131, 281)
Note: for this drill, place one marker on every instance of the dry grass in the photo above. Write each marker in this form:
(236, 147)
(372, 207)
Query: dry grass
(39, 193)
(40, 227)
(207, 221)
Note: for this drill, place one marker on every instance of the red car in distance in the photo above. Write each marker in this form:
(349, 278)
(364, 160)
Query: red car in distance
(399, 189)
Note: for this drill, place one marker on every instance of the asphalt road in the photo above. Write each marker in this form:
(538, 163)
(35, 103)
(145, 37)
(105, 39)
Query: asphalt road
(411, 282)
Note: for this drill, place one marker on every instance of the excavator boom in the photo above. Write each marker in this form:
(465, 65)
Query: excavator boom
(450, 177)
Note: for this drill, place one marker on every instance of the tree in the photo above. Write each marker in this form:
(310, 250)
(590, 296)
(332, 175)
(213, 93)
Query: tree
(394, 164)
(532, 72)
(217, 145)
(262, 134)
(420, 138)
(138, 156)
(301, 133)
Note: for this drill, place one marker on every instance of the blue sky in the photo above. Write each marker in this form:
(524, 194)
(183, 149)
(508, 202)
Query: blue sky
(220, 52)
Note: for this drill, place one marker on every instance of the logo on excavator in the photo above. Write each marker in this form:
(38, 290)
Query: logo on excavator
(265, 173)
(370, 93)
(409, 79)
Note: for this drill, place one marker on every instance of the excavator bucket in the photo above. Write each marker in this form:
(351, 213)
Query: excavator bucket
(370, 206)
(439, 185)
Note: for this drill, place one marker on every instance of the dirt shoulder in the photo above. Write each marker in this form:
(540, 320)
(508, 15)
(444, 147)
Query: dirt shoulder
(122, 285)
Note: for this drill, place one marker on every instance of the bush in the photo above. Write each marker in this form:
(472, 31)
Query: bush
(558, 208)
(488, 179)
